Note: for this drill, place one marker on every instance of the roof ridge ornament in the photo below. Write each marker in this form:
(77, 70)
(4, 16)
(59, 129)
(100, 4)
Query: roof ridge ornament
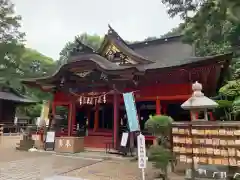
(80, 48)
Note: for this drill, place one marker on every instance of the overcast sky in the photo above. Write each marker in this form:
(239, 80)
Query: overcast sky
(49, 24)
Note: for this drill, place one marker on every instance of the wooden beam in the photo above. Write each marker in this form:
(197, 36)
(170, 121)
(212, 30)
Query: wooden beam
(153, 98)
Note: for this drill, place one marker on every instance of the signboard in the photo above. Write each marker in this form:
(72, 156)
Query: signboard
(50, 137)
(131, 110)
(50, 140)
(124, 139)
(141, 152)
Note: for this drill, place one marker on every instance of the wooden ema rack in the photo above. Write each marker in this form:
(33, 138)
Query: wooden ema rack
(205, 142)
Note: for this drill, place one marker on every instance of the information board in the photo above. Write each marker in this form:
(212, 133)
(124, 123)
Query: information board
(50, 140)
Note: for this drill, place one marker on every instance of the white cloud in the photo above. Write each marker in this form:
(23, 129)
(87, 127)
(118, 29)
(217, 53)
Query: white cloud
(49, 24)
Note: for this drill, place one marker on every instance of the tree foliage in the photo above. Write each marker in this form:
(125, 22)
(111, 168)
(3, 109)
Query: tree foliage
(11, 40)
(209, 24)
(213, 27)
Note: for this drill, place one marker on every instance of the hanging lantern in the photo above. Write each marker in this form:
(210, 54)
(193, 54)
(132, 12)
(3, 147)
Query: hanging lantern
(80, 100)
(104, 98)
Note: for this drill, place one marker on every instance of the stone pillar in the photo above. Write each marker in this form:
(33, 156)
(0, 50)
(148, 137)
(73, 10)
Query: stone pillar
(158, 107)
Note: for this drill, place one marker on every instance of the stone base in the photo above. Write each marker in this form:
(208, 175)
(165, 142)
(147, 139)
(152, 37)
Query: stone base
(69, 144)
(25, 144)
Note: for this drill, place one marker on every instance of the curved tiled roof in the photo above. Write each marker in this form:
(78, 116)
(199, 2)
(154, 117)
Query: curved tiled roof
(86, 56)
(108, 67)
(12, 95)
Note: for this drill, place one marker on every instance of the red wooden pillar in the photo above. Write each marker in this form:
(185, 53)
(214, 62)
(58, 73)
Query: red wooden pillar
(196, 115)
(115, 119)
(74, 120)
(96, 118)
(158, 107)
(70, 118)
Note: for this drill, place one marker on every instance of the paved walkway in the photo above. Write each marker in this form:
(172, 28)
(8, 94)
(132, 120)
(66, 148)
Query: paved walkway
(17, 165)
(38, 168)
(112, 170)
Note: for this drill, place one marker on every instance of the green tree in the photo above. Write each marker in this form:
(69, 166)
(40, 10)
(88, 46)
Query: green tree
(211, 26)
(188, 8)
(93, 41)
(35, 64)
(18, 62)
(11, 47)
(160, 155)
(175, 31)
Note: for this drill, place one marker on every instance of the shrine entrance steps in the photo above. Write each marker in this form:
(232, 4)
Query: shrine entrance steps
(97, 141)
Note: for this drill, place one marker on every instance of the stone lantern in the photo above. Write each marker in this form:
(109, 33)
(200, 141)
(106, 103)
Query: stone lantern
(198, 102)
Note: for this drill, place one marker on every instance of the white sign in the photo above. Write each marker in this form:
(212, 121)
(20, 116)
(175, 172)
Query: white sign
(124, 139)
(50, 137)
(141, 151)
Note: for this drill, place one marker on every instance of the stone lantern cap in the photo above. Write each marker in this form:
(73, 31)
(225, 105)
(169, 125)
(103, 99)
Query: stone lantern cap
(198, 100)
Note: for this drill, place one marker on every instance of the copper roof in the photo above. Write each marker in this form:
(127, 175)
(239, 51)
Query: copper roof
(11, 95)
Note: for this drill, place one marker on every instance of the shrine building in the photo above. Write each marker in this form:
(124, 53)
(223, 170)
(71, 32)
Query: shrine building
(160, 73)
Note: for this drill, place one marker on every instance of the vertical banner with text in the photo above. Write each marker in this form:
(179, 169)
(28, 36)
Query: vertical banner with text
(131, 110)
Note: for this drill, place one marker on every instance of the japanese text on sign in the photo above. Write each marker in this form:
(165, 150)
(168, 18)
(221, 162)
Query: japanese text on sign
(141, 151)
(67, 143)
